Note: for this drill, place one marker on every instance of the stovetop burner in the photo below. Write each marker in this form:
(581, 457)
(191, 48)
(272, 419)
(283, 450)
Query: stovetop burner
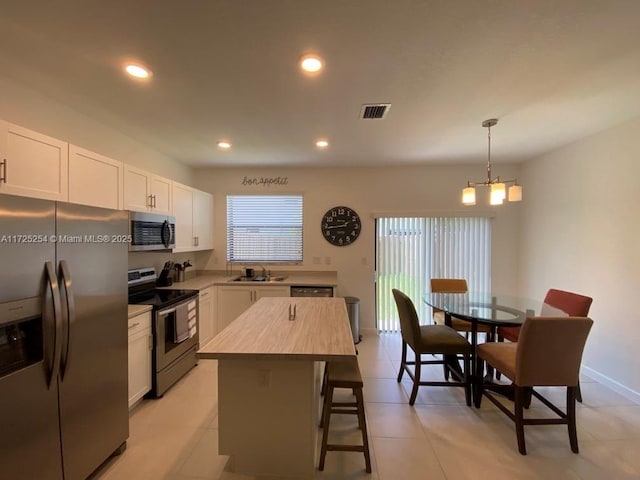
(143, 291)
(160, 298)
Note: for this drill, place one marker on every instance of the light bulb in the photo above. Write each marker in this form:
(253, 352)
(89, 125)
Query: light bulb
(469, 196)
(515, 193)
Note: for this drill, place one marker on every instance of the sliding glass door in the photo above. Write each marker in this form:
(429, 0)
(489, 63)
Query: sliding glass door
(412, 250)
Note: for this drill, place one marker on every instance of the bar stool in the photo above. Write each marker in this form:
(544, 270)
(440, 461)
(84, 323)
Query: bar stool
(344, 375)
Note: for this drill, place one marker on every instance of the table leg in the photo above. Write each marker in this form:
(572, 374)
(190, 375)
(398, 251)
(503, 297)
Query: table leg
(451, 361)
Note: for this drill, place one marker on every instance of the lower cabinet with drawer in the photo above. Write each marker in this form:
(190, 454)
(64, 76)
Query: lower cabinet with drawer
(235, 299)
(140, 346)
(207, 328)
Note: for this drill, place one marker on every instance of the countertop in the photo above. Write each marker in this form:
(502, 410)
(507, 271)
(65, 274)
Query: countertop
(138, 309)
(320, 331)
(305, 279)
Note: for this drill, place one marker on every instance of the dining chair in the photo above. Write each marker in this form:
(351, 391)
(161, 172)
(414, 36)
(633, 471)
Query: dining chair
(548, 353)
(556, 302)
(431, 339)
(454, 285)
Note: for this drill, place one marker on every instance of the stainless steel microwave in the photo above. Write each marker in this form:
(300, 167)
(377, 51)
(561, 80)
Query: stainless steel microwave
(151, 231)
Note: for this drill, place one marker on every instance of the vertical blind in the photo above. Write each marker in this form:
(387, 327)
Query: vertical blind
(264, 228)
(411, 251)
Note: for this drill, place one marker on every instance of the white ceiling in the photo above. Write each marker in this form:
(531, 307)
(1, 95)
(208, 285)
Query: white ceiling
(552, 71)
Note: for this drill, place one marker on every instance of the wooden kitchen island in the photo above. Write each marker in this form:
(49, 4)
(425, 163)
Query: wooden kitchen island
(269, 375)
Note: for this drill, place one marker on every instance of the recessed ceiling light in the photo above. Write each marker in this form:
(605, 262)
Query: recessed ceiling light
(311, 63)
(322, 143)
(137, 71)
(224, 145)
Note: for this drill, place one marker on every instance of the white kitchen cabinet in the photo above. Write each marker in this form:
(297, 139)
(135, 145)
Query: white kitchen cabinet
(193, 211)
(161, 192)
(183, 213)
(32, 164)
(140, 346)
(207, 328)
(146, 192)
(203, 219)
(235, 299)
(95, 180)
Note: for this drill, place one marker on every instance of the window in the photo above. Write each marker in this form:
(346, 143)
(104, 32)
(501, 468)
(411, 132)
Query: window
(411, 251)
(264, 228)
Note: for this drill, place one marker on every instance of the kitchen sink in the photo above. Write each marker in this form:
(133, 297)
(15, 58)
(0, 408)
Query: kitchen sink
(259, 278)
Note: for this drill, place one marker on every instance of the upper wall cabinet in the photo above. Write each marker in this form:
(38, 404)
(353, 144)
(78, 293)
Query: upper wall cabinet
(203, 219)
(95, 180)
(193, 211)
(146, 192)
(32, 164)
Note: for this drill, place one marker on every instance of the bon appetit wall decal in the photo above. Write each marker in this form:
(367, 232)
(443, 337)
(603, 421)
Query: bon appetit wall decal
(264, 181)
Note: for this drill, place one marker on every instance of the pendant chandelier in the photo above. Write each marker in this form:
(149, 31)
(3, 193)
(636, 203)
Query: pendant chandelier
(498, 193)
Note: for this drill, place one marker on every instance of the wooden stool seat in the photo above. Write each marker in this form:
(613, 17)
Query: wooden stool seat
(344, 375)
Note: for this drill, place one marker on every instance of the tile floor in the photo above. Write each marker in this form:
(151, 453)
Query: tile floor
(175, 438)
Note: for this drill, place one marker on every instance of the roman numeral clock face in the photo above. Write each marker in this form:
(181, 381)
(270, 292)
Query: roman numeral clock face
(341, 226)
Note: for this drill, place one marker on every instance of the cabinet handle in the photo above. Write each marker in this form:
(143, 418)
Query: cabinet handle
(196, 241)
(3, 164)
(150, 342)
(150, 201)
(154, 202)
(202, 295)
(134, 325)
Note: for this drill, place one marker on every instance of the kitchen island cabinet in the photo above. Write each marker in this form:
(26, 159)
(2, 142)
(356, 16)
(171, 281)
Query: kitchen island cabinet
(269, 372)
(235, 299)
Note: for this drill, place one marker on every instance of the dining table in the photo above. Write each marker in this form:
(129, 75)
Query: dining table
(482, 308)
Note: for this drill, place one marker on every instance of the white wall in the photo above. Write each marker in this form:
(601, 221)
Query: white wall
(393, 190)
(580, 231)
(30, 109)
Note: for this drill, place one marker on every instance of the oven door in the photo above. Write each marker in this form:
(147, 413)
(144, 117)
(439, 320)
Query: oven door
(176, 329)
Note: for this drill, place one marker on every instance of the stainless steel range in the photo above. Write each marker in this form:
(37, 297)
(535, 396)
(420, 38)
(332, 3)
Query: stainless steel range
(175, 327)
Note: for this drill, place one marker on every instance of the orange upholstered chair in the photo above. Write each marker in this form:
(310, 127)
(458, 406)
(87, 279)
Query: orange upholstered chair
(548, 353)
(453, 285)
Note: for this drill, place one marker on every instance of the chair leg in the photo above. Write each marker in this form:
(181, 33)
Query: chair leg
(403, 361)
(467, 379)
(445, 366)
(478, 383)
(579, 393)
(416, 380)
(519, 418)
(326, 414)
(363, 427)
(571, 417)
(498, 374)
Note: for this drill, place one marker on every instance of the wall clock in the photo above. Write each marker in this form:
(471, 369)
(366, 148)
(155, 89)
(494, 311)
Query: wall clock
(341, 226)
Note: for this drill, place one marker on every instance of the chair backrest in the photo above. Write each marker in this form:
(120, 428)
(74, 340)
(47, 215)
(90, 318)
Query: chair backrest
(448, 285)
(559, 302)
(409, 321)
(549, 350)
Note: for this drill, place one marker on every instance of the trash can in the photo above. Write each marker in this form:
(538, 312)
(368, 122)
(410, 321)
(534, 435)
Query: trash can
(353, 309)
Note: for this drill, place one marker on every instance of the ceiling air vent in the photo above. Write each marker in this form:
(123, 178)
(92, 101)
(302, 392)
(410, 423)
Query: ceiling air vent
(374, 110)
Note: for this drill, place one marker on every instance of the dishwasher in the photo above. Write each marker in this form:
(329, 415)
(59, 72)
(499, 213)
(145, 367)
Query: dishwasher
(311, 291)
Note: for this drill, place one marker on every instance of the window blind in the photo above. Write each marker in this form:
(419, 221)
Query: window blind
(411, 251)
(264, 228)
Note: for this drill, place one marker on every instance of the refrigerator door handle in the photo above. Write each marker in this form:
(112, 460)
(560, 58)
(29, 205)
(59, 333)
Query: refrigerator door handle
(65, 281)
(52, 282)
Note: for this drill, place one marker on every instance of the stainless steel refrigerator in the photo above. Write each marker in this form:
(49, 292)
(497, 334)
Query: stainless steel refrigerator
(63, 338)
